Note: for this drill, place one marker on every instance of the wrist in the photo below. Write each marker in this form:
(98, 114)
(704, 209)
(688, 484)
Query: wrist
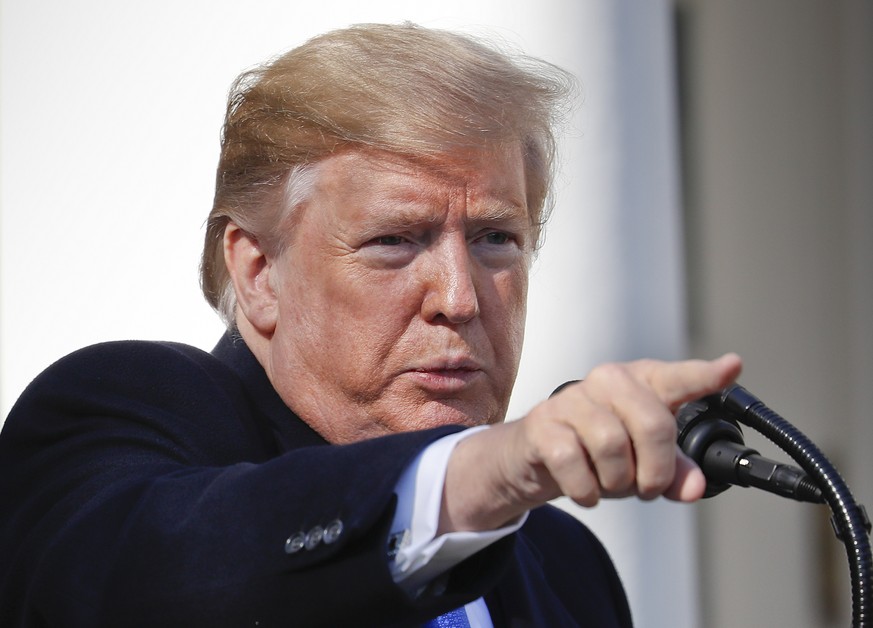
(475, 496)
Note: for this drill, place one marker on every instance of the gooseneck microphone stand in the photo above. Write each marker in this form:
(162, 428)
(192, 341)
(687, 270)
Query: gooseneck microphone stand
(709, 433)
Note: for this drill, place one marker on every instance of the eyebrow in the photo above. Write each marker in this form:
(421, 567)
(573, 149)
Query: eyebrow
(500, 211)
(407, 210)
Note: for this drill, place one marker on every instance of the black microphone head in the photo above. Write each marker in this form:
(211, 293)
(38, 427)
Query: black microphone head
(702, 423)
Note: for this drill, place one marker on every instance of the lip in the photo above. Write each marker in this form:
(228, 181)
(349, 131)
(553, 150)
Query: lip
(446, 376)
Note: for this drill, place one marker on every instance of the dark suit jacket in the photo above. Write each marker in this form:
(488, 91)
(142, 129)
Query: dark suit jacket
(153, 484)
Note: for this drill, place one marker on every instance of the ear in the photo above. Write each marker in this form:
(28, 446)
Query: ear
(249, 270)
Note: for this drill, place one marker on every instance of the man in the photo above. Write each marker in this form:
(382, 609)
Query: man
(379, 201)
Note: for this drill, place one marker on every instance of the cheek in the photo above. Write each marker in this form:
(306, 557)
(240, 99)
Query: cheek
(507, 311)
(348, 315)
(378, 304)
(512, 290)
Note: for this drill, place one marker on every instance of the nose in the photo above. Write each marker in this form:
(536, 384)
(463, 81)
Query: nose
(450, 294)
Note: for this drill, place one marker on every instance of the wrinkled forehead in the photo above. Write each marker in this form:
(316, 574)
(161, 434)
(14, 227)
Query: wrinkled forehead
(492, 175)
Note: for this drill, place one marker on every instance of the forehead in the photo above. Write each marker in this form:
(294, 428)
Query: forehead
(484, 178)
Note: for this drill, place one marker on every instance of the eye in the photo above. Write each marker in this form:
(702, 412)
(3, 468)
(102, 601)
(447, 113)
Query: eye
(389, 240)
(388, 251)
(498, 249)
(496, 237)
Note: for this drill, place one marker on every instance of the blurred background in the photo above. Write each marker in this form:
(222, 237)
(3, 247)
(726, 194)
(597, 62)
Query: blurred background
(715, 194)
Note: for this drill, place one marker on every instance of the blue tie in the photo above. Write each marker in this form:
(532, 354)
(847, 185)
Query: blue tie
(453, 619)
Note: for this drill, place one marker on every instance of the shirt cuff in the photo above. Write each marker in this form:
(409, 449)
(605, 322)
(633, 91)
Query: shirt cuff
(418, 555)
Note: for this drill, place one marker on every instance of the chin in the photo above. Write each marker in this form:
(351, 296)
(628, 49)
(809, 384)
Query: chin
(454, 412)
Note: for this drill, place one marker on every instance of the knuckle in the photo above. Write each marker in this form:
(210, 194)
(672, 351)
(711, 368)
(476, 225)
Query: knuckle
(608, 372)
(561, 455)
(604, 434)
(539, 413)
(658, 428)
(608, 442)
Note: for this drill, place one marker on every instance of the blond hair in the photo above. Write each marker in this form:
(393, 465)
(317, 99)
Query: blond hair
(412, 91)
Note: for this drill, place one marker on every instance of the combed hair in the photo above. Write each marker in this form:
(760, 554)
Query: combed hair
(415, 92)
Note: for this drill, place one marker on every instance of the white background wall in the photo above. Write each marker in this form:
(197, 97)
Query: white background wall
(108, 143)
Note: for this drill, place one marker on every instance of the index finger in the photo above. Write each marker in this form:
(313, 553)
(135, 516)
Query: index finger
(677, 382)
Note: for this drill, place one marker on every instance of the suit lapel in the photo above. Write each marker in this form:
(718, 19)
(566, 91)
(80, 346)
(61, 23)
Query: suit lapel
(523, 598)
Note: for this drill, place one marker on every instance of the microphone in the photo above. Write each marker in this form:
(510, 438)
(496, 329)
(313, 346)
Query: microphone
(713, 439)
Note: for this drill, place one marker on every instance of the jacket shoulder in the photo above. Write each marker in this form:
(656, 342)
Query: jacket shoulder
(179, 393)
(131, 360)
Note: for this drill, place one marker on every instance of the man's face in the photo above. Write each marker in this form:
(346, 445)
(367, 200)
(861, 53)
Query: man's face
(401, 294)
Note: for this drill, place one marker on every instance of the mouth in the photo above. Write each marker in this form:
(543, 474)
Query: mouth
(447, 377)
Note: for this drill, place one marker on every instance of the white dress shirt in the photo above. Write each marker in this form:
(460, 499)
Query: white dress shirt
(420, 557)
